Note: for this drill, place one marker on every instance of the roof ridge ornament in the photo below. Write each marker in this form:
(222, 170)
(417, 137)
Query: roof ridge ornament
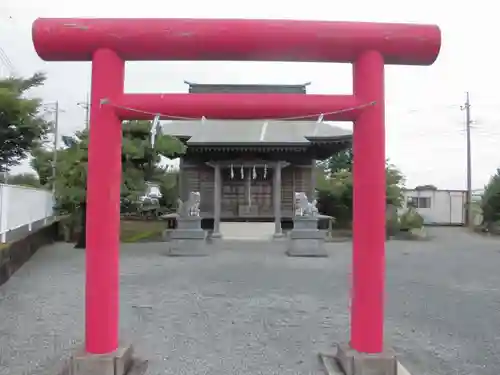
(319, 121)
(154, 129)
(263, 130)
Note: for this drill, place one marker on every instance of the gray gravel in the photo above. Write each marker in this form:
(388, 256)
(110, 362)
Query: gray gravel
(248, 309)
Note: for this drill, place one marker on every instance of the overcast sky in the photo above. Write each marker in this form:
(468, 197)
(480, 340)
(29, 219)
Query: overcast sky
(425, 126)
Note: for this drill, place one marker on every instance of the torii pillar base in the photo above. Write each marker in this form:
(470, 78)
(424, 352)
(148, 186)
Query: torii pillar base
(348, 361)
(120, 362)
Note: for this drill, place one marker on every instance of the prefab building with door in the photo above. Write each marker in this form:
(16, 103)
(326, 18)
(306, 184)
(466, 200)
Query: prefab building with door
(437, 207)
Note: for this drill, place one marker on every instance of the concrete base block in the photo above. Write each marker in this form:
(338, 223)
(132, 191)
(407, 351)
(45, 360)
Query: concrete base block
(189, 222)
(120, 362)
(167, 233)
(348, 361)
(306, 247)
(305, 222)
(306, 234)
(188, 239)
(305, 240)
(188, 234)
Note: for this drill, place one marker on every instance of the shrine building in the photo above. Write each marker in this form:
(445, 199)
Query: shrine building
(249, 170)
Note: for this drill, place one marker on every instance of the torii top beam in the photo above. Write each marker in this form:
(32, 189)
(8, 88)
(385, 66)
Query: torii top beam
(76, 39)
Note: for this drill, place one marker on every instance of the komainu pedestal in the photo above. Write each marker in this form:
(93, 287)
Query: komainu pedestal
(188, 239)
(305, 240)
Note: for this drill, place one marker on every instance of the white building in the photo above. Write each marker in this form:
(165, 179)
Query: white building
(438, 207)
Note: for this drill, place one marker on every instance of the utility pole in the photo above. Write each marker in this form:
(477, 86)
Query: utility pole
(86, 106)
(56, 136)
(469, 220)
(53, 107)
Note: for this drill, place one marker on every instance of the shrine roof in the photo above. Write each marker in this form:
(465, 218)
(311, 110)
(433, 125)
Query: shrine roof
(255, 132)
(204, 88)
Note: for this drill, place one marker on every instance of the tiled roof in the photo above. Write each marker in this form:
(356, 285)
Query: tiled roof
(246, 132)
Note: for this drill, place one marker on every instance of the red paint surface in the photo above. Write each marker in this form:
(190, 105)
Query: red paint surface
(237, 106)
(103, 207)
(75, 39)
(367, 309)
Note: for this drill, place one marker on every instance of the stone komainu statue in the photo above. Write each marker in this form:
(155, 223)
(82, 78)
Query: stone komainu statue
(194, 203)
(300, 200)
(303, 206)
(313, 207)
(191, 207)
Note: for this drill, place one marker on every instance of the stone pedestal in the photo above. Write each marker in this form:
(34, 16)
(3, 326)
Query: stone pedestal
(348, 361)
(305, 240)
(188, 239)
(120, 362)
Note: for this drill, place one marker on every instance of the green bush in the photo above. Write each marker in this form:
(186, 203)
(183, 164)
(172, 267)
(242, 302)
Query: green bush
(411, 219)
(338, 206)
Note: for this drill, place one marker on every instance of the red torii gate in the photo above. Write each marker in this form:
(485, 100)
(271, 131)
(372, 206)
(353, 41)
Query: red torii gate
(108, 43)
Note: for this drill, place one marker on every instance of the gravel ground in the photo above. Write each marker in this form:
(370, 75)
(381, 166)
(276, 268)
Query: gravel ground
(248, 309)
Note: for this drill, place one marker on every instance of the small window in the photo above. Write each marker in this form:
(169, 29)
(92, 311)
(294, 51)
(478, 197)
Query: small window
(419, 202)
(424, 202)
(412, 202)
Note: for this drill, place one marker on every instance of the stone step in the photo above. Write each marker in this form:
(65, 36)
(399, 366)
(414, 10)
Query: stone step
(247, 231)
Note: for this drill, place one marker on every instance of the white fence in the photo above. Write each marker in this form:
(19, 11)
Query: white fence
(21, 208)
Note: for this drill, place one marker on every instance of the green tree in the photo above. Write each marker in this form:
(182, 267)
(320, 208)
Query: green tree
(340, 161)
(42, 164)
(22, 126)
(395, 181)
(24, 179)
(490, 202)
(139, 163)
(168, 181)
(335, 186)
(140, 160)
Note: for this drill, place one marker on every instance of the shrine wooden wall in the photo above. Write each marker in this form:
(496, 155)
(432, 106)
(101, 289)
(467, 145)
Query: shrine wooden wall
(235, 198)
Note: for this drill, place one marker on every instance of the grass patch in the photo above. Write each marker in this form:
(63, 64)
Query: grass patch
(141, 231)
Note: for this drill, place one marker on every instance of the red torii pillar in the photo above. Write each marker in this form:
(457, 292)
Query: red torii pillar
(108, 43)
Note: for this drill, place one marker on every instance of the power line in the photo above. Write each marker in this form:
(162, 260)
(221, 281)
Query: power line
(302, 117)
(6, 62)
